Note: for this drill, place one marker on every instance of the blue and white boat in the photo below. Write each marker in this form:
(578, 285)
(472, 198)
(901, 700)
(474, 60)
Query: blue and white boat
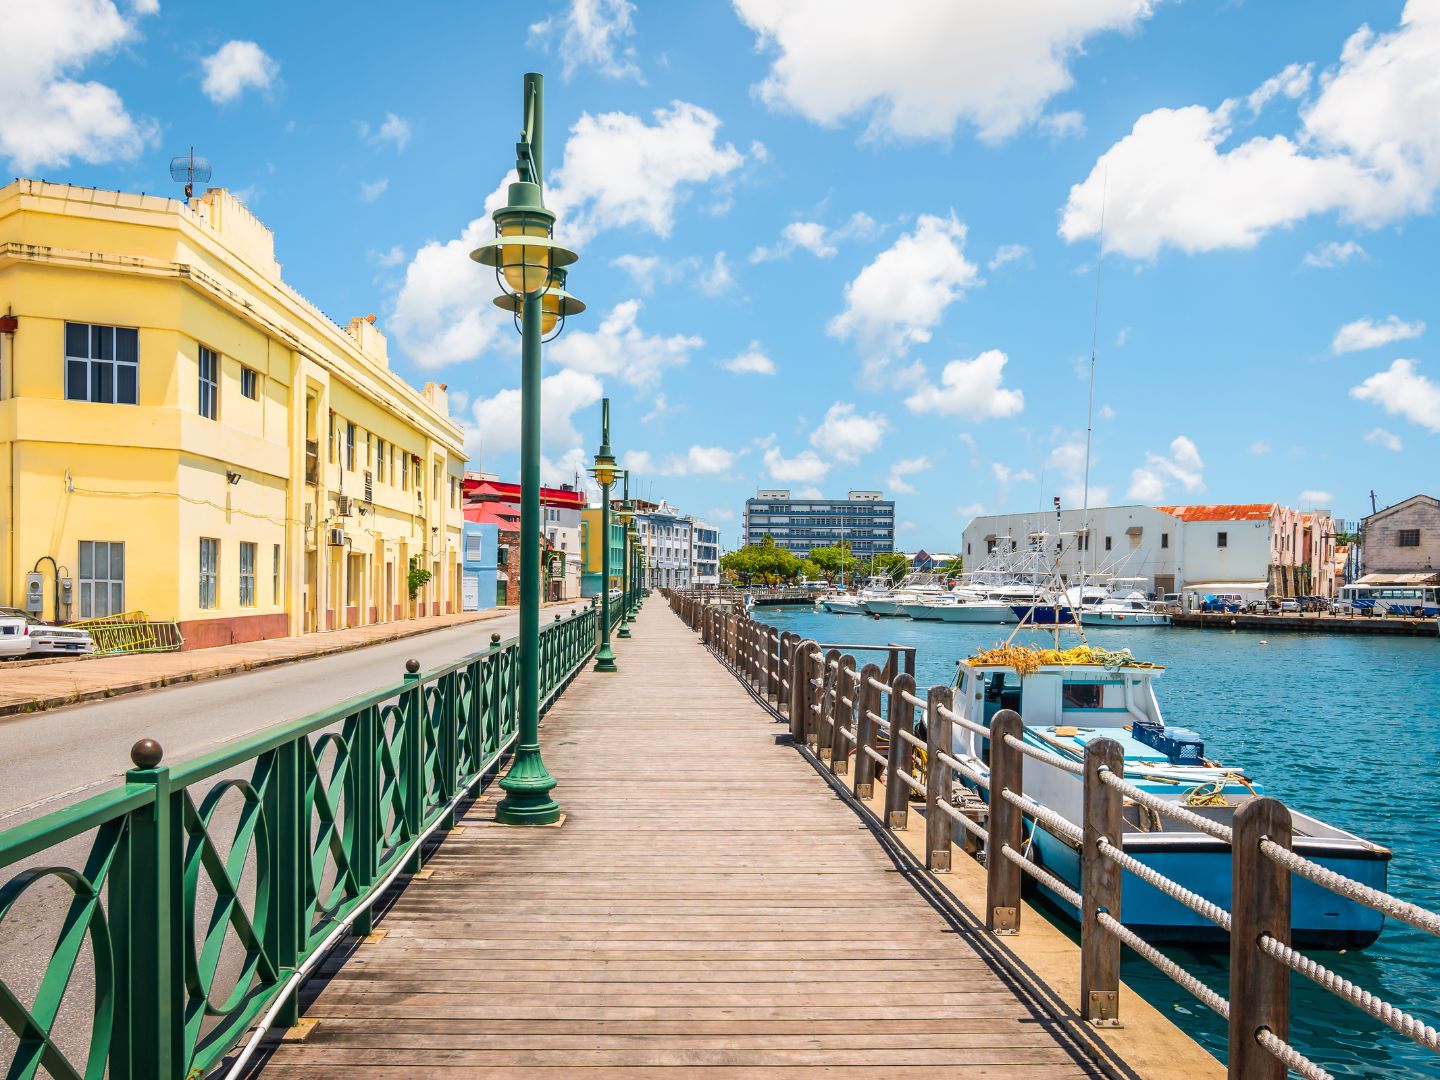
(1064, 707)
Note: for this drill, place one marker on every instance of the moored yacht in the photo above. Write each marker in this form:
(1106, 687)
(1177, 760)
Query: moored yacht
(912, 589)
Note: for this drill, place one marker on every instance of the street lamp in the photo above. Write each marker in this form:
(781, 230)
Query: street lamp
(529, 265)
(604, 471)
(627, 517)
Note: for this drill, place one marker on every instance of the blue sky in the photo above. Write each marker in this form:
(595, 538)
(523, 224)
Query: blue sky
(821, 250)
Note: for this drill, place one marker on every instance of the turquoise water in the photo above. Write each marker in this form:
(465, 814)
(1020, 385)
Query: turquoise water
(1346, 728)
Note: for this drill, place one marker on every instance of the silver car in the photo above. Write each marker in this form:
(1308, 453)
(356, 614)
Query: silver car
(45, 639)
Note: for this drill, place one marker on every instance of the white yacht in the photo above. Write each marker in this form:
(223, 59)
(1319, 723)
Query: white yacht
(912, 589)
(842, 602)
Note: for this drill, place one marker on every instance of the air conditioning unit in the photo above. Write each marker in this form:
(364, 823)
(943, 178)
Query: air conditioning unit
(337, 537)
(342, 505)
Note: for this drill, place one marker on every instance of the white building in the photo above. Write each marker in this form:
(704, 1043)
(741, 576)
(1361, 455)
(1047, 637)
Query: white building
(704, 554)
(561, 526)
(666, 539)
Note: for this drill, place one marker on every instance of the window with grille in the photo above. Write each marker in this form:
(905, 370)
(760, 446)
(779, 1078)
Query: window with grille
(380, 460)
(275, 578)
(209, 383)
(247, 573)
(250, 383)
(101, 578)
(1409, 538)
(350, 447)
(101, 363)
(209, 572)
(1222, 540)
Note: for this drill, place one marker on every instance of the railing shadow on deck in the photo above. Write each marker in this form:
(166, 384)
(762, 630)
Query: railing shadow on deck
(841, 714)
(191, 902)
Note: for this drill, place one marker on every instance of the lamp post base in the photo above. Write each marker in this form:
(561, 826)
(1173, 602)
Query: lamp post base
(527, 788)
(624, 628)
(605, 659)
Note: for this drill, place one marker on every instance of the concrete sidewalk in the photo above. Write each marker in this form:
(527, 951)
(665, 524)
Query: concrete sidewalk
(29, 687)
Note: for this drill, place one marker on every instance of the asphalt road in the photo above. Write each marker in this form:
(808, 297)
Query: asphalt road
(53, 758)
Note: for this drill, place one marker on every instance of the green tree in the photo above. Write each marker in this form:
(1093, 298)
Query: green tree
(954, 568)
(892, 563)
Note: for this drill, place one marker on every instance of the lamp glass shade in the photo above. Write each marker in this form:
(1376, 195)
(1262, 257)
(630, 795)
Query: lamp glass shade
(604, 473)
(549, 312)
(526, 267)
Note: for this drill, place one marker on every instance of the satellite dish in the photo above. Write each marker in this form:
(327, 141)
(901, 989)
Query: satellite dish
(187, 168)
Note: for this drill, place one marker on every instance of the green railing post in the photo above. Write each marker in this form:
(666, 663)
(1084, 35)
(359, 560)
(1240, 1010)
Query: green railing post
(284, 810)
(450, 742)
(412, 749)
(365, 850)
(146, 904)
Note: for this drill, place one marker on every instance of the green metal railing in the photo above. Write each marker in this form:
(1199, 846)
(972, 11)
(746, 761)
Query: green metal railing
(316, 817)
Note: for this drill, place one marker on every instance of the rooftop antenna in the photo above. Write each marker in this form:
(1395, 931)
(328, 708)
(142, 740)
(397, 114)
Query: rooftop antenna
(187, 169)
(1373, 507)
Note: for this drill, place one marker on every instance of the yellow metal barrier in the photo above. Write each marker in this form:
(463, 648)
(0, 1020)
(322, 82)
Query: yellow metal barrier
(132, 632)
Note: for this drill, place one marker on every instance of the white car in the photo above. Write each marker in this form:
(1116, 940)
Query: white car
(48, 640)
(14, 636)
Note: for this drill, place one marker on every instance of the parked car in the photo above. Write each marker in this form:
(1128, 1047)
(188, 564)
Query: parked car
(14, 636)
(1289, 606)
(47, 639)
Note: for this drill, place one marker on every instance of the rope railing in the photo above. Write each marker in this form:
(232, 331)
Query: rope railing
(843, 727)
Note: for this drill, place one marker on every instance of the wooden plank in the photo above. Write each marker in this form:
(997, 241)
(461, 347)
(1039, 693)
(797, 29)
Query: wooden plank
(684, 918)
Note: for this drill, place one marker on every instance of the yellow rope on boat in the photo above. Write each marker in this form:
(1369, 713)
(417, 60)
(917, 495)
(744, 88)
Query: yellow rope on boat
(1028, 659)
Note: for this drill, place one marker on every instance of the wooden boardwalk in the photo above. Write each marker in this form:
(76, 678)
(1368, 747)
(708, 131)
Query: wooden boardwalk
(710, 907)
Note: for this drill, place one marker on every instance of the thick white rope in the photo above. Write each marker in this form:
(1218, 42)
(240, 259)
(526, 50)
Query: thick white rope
(1168, 808)
(1380, 1009)
(913, 700)
(1416, 916)
(875, 755)
(914, 784)
(1045, 756)
(968, 725)
(878, 719)
(1043, 814)
(1163, 963)
(958, 817)
(1194, 901)
(969, 770)
(1041, 875)
(1288, 1056)
(884, 688)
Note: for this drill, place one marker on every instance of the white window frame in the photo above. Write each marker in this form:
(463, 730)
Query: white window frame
(208, 359)
(209, 573)
(88, 583)
(249, 554)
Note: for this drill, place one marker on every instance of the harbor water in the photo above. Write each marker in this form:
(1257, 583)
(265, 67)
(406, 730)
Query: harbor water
(1346, 728)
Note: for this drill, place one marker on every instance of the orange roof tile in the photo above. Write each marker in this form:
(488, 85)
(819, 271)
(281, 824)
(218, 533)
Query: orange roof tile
(1224, 512)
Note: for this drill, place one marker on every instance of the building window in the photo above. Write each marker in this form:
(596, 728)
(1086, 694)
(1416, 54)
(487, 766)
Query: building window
(101, 363)
(380, 460)
(275, 578)
(101, 578)
(209, 572)
(1107, 543)
(248, 554)
(1164, 540)
(250, 383)
(1409, 538)
(502, 556)
(436, 486)
(209, 383)
(403, 471)
(350, 447)
(331, 440)
(1222, 539)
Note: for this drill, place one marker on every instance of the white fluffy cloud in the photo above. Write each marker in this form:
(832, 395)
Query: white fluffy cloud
(1388, 439)
(806, 467)
(716, 279)
(896, 481)
(593, 33)
(1181, 465)
(1368, 148)
(235, 67)
(619, 347)
(752, 361)
(1333, 254)
(1365, 334)
(618, 172)
(370, 190)
(919, 68)
(49, 118)
(699, 461)
(1005, 476)
(970, 388)
(1402, 391)
(846, 435)
(1007, 253)
(1316, 498)
(819, 240)
(394, 130)
(900, 297)
(496, 427)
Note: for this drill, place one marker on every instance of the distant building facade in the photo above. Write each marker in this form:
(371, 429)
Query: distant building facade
(665, 536)
(489, 499)
(1401, 540)
(592, 567)
(865, 520)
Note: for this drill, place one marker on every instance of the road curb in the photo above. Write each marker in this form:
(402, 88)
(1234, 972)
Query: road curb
(81, 697)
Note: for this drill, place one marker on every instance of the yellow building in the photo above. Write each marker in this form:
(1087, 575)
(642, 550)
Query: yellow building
(186, 435)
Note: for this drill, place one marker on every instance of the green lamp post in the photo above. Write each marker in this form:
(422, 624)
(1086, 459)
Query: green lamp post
(604, 471)
(627, 518)
(529, 265)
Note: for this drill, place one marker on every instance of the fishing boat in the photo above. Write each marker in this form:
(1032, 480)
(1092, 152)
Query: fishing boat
(913, 588)
(1132, 610)
(842, 602)
(1068, 700)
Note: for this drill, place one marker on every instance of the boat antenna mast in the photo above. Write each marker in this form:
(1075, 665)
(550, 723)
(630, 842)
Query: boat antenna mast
(1090, 406)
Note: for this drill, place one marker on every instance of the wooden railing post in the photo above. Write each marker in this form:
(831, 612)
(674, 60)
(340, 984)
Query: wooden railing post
(1260, 904)
(799, 687)
(842, 716)
(825, 718)
(1100, 886)
(772, 659)
(1007, 826)
(902, 754)
(782, 690)
(938, 826)
(865, 729)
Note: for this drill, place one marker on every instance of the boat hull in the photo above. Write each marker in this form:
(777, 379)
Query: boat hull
(925, 612)
(1124, 618)
(1320, 919)
(1044, 616)
(978, 613)
(842, 607)
(889, 609)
